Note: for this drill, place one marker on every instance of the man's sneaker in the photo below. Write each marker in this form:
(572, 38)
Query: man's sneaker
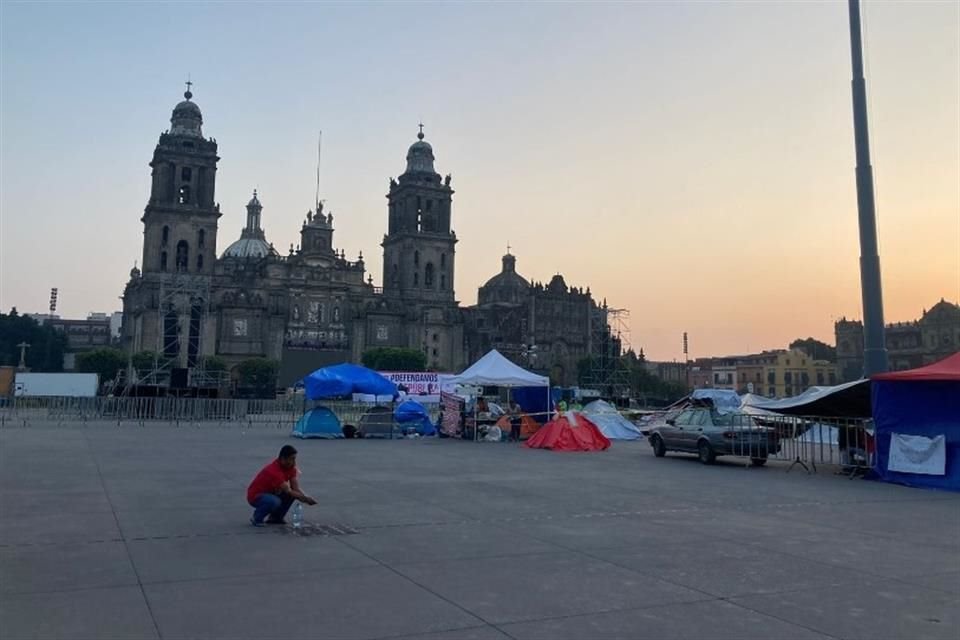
(255, 523)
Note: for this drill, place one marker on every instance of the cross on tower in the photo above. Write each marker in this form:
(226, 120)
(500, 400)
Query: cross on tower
(189, 84)
(508, 248)
(420, 135)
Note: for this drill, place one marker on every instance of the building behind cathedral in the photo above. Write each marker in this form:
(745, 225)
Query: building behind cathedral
(315, 306)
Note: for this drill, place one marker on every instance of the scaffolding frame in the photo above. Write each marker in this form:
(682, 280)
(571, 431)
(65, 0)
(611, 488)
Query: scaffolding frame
(180, 295)
(609, 340)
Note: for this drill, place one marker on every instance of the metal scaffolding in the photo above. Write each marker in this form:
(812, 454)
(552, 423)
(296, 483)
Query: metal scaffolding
(610, 337)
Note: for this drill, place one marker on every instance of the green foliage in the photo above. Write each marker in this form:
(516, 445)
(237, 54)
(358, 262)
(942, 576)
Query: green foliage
(259, 376)
(104, 362)
(394, 359)
(815, 349)
(143, 362)
(47, 345)
(644, 385)
(214, 364)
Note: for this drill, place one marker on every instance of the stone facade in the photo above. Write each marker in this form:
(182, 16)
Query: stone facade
(314, 306)
(545, 328)
(933, 337)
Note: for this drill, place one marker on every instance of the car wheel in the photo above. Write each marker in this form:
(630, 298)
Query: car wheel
(758, 462)
(707, 456)
(659, 449)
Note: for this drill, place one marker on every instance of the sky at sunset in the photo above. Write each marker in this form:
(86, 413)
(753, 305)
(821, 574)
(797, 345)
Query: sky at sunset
(690, 162)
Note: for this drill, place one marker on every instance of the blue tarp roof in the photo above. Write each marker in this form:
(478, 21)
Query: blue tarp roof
(346, 379)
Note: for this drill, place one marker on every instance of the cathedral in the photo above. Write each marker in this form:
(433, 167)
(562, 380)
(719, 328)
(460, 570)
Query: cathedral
(314, 306)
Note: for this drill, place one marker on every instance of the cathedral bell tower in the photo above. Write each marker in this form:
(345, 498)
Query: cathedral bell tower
(418, 249)
(180, 220)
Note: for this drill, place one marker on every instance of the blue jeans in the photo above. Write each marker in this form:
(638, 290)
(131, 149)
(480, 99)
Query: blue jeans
(269, 504)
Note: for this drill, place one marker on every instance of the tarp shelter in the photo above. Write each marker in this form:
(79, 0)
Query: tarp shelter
(412, 413)
(723, 400)
(611, 423)
(570, 431)
(917, 419)
(318, 422)
(848, 400)
(344, 380)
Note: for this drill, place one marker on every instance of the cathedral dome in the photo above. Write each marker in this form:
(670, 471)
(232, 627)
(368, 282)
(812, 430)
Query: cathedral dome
(249, 248)
(506, 286)
(420, 156)
(186, 119)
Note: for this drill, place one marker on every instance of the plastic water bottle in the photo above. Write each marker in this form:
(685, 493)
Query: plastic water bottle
(297, 515)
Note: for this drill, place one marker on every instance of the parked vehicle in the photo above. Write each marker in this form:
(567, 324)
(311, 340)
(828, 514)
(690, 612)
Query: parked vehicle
(708, 433)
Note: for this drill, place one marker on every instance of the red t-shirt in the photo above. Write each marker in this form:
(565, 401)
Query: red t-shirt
(269, 480)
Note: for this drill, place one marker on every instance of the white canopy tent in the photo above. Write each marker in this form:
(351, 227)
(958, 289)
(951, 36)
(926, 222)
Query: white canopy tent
(495, 370)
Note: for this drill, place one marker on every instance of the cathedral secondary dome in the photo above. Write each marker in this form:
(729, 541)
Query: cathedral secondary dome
(252, 242)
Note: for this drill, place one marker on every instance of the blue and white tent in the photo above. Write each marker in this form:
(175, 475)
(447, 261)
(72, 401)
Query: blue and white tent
(319, 422)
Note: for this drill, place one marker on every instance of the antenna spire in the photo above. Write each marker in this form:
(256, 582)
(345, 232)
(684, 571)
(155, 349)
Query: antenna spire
(319, 145)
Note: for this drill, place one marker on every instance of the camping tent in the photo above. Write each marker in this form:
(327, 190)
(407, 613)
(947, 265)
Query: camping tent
(917, 417)
(378, 422)
(613, 425)
(346, 379)
(319, 422)
(570, 431)
(412, 413)
(494, 369)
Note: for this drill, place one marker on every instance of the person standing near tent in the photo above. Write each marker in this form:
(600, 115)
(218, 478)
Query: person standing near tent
(515, 421)
(274, 489)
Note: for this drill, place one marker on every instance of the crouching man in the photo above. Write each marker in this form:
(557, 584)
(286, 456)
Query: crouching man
(275, 488)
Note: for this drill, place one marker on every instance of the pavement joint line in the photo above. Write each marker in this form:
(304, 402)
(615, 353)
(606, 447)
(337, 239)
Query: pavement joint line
(126, 546)
(412, 581)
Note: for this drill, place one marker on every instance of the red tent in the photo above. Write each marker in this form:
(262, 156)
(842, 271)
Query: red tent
(946, 369)
(569, 432)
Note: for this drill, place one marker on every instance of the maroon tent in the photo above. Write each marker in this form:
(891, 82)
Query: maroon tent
(569, 432)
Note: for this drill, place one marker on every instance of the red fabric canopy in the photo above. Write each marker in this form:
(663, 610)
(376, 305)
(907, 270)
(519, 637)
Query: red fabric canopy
(946, 369)
(574, 433)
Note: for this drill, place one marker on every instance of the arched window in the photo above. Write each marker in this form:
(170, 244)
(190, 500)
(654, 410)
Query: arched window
(443, 260)
(163, 261)
(201, 237)
(183, 256)
(199, 262)
(443, 282)
(428, 275)
(416, 278)
(184, 197)
(416, 258)
(165, 236)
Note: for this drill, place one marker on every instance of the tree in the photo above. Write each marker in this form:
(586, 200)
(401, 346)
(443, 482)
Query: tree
(815, 349)
(105, 362)
(143, 362)
(47, 345)
(394, 359)
(258, 376)
(214, 364)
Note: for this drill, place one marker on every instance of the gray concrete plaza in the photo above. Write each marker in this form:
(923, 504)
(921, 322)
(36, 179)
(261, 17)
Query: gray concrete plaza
(142, 532)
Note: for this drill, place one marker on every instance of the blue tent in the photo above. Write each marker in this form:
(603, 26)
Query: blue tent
(920, 402)
(346, 379)
(411, 412)
(319, 422)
